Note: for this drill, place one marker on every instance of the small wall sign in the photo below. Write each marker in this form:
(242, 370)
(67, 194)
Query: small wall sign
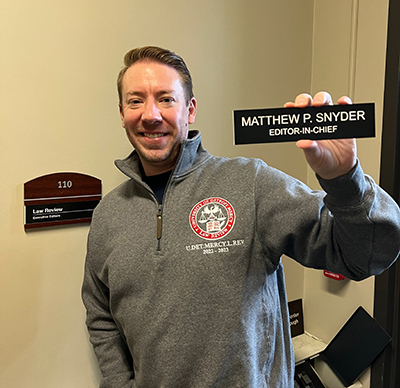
(292, 124)
(296, 317)
(60, 199)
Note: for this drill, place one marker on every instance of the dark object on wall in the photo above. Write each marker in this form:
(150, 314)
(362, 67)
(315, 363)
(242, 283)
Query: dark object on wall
(296, 317)
(60, 199)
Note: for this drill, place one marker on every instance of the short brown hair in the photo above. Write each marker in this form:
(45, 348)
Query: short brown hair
(157, 54)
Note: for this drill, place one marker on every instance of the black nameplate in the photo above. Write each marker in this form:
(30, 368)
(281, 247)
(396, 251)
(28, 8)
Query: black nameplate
(292, 124)
(58, 212)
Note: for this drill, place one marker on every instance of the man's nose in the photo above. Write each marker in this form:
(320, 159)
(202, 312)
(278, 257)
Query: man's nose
(151, 112)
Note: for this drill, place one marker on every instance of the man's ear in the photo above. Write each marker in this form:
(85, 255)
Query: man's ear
(121, 113)
(192, 110)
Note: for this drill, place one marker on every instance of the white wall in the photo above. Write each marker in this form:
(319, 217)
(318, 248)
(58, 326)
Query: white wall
(58, 65)
(356, 69)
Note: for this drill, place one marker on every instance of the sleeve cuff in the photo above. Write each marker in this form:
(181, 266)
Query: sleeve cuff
(345, 190)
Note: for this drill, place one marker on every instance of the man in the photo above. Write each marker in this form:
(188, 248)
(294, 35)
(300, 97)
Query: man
(183, 281)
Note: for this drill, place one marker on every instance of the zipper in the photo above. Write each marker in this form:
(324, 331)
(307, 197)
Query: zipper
(135, 177)
(160, 205)
(159, 227)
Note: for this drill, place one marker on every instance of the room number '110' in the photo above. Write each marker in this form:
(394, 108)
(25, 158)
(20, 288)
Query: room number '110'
(64, 184)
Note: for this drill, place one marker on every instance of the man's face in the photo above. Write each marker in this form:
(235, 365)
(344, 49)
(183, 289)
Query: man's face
(155, 114)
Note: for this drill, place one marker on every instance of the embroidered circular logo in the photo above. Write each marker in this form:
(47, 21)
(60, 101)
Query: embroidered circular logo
(212, 218)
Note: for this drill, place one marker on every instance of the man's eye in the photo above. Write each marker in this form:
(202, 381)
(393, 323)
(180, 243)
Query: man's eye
(134, 101)
(167, 100)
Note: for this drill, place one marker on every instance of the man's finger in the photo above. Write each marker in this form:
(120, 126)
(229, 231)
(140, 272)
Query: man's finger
(305, 144)
(303, 100)
(344, 100)
(322, 98)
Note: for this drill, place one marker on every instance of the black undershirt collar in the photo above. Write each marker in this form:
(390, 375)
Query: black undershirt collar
(157, 183)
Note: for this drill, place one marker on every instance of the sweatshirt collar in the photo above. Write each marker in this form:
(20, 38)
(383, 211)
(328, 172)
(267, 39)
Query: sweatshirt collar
(191, 155)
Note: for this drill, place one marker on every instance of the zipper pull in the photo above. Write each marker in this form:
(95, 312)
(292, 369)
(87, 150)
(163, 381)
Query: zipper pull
(159, 223)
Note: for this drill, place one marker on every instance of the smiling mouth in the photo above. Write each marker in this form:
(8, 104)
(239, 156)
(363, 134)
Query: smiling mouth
(153, 135)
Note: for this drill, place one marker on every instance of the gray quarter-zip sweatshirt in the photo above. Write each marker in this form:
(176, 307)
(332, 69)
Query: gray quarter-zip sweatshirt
(191, 294)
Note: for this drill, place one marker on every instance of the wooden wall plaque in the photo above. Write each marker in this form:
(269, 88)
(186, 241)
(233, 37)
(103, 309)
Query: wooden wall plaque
(60, 199)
